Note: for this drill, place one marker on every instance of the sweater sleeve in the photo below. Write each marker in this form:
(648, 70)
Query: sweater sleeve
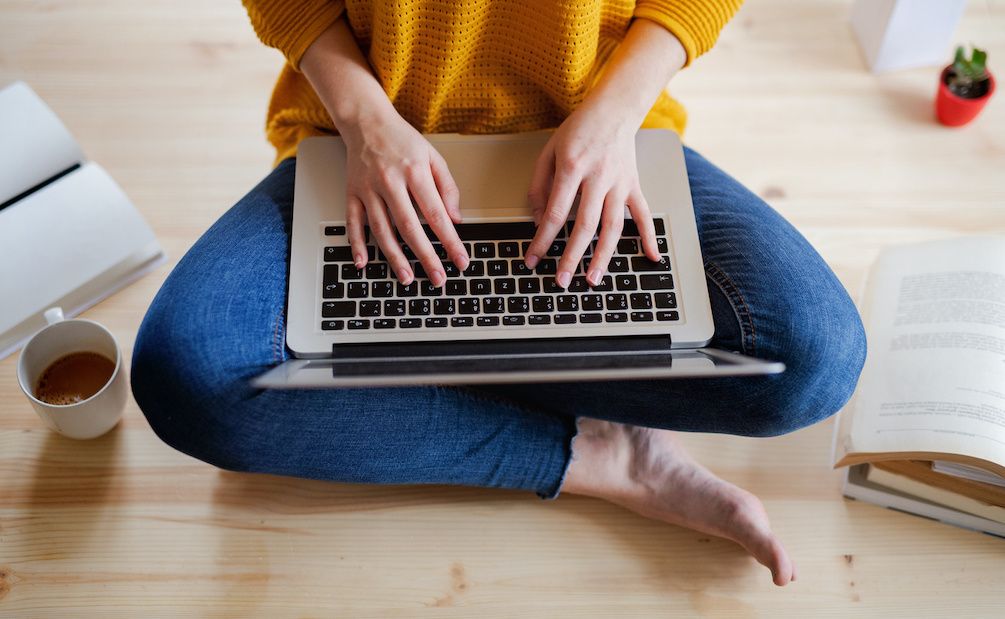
(292, 25)
(696, 23)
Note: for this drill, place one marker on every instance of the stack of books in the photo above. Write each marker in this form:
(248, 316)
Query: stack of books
(925, 431)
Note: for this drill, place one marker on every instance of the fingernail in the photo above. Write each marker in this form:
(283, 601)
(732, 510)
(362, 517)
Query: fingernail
(404, 276)
(532, 261)
(438, 278)
(563, 278)
(358, 261)
(594, 276)
(462, 262)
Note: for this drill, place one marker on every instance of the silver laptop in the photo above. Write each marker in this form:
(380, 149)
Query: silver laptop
(497, 321)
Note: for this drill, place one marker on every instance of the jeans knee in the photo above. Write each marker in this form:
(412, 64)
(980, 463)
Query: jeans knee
(187, 407)
(824, 357)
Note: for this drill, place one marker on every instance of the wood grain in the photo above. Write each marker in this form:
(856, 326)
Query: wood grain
(170, 97)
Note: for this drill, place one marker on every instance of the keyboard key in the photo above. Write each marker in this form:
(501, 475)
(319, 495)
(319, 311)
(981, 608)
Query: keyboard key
(381, 289)
(334, 230)
(462, 321)
(505, 285)
(556, 249)
(592, 302)
(359, 324)
(369, 308)
(630, 228)
(513, 321)
(333, 291)
(658, 223)
(641, 300)
(342, 253)
(606, 284)
(626, 282)
(579, 284)
(548, 266)
(661, 245)
(539, 319)
(418, 270)
(436, 322)
(616, 317)
(485, 250)
(628, 246)
(407, 251)
(330, 274)
(517, 267)
(384, 323)
(450, 269)
(517, 305)
(476, 268)
(407, 291)
(418, 307)
(544, 304)
(493, 305)
(456, 287)
(488, 321)
(394, 307)
(590, 318)
(565, 319)
(429, 290)
(666, 300)
(443, 306)
(469, 305)
(509, 250)
(642, 316)
(440, 250)
(481, 286)
(410, 323)
(656, 282)
(568, 303)
(642, 264)
(332, 325)
(550, 285)
(349, 271)
(357, 290)
(490, 231)
(497, 267)
(667, 315)
(616, 301)
(376, 270)
(338, 309)
(529, 285)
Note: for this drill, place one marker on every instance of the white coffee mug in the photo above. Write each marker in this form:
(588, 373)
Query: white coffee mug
(88, 418)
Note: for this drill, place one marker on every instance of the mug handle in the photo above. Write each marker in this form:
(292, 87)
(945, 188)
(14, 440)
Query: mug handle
(53, 315)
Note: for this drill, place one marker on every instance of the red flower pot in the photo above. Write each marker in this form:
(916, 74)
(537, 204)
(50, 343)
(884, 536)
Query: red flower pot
(953, 110)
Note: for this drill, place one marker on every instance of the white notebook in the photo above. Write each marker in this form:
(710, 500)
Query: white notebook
(68, 234)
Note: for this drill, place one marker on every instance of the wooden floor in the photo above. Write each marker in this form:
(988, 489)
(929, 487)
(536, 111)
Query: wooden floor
(170, 96)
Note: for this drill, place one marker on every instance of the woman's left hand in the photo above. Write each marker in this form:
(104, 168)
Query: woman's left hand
(593, 156)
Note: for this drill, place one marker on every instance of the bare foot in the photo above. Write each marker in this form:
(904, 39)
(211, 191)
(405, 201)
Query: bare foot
(647, 471)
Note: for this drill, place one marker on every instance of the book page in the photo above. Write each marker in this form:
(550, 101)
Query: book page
(934, 379)
(34, 143)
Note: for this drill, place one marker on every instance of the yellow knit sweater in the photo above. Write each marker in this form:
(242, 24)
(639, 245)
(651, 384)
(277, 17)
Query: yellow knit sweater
(473, 66)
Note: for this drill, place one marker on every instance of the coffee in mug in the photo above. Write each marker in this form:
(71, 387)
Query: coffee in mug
(74, 378)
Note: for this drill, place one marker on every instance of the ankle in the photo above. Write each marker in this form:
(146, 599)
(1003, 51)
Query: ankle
(600, 458)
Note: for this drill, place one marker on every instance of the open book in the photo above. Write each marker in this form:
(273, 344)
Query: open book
(69, 235)
(925, 431)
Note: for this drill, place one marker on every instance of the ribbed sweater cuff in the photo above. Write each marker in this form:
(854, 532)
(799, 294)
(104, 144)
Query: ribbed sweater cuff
(292, 26)
(695, 23)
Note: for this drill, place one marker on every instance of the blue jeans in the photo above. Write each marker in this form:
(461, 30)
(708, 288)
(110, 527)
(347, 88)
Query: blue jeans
(218, 321)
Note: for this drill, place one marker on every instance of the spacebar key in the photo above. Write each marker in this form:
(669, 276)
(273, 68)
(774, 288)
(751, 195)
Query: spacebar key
(496, 230)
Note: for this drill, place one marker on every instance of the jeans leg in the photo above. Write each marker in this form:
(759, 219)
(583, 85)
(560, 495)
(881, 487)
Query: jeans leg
(773, 297)
(218, 321)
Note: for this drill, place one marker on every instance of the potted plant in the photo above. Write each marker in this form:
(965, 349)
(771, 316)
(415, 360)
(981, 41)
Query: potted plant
(965, 86)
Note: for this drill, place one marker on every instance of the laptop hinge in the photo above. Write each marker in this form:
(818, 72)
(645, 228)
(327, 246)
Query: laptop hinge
(556, 347)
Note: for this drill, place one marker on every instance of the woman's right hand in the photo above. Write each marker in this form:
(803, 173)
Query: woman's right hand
(389, 164)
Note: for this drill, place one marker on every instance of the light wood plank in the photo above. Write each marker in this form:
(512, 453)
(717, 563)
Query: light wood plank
(170, 97)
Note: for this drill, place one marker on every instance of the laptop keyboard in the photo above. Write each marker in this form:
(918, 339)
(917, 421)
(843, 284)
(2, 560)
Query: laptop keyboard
(496, 290)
